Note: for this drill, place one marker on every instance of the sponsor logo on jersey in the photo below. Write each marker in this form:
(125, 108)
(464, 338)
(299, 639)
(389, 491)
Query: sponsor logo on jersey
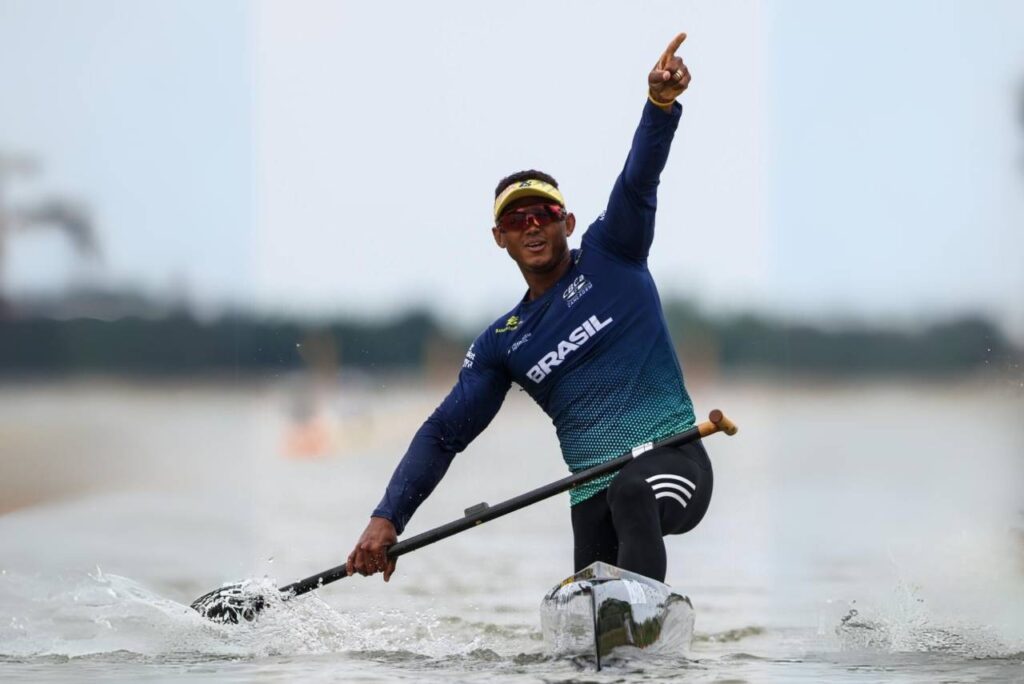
(577, 338)
(511, 324)
(470, 358)
(577, 288)
(520, 342)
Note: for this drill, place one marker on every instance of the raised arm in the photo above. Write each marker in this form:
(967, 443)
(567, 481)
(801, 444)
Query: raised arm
(626, 228)
(465, 412)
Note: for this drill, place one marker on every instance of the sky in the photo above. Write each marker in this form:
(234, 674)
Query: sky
(841, 160)
(142, 110)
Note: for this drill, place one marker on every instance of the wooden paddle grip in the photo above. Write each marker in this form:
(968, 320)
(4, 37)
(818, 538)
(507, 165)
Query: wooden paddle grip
(717, 422)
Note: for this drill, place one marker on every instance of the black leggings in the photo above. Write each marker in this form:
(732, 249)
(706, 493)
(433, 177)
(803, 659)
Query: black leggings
(664, 491)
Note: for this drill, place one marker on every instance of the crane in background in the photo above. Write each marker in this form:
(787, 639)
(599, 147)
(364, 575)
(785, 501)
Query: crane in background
(59, 213)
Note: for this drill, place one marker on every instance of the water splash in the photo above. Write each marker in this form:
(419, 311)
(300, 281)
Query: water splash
(906, 625)
(106, 614)
(100, 613)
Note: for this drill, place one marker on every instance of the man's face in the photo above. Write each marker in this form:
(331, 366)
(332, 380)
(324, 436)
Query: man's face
(536, 249)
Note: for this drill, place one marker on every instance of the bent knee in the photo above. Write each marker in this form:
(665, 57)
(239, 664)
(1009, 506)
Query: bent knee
(629, 492)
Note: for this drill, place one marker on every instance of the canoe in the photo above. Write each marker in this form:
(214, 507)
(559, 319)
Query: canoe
(603, 609)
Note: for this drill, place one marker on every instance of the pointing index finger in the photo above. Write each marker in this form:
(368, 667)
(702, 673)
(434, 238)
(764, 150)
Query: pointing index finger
(670, 51)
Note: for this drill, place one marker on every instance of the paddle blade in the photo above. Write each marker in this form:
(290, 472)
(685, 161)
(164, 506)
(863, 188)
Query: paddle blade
(231, 603)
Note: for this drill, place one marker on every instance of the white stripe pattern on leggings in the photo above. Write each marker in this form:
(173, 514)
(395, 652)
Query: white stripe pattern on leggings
(667, 490)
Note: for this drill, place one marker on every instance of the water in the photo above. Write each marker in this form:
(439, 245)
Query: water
(858, 533)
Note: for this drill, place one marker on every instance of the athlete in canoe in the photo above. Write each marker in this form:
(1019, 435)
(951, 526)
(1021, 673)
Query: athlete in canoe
(588, 341)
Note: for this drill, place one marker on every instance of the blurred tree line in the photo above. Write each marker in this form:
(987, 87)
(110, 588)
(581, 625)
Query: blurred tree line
(751, 342)
(181, 344)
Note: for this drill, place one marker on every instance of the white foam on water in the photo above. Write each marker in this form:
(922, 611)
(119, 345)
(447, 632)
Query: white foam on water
(95, 614)
(103, 613)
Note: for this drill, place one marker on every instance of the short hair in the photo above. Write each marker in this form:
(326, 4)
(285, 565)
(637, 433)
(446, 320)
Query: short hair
(529, 174)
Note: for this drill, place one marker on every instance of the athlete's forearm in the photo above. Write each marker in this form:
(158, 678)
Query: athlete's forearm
(463, 414)
(648, 155)
(424, 464)
(627, 226)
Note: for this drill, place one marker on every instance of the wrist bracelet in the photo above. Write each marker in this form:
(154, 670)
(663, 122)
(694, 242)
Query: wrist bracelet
(659, 103)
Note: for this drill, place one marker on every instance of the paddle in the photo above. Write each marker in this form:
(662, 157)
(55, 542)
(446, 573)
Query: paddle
(233, 602)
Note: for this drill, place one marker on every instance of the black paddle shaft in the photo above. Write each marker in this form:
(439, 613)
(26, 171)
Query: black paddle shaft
(482, 513)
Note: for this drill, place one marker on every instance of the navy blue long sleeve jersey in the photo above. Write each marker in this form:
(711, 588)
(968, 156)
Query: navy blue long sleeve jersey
(593, 350)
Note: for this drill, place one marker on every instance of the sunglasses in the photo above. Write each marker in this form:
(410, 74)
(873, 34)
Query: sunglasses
(541, 214)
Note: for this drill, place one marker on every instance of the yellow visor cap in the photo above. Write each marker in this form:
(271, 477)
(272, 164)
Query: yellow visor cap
(526, 188)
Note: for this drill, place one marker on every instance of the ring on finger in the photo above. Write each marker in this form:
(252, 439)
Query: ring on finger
(678, 75)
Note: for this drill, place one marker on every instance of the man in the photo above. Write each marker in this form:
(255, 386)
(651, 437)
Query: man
(589, 343)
